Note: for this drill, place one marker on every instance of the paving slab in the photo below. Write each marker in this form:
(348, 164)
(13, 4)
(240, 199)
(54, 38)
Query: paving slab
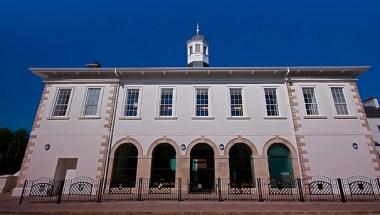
(9, 205)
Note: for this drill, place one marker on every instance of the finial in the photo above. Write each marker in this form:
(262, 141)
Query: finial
(197, 28)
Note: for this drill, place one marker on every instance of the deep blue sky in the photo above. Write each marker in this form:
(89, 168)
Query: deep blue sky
(142, 33)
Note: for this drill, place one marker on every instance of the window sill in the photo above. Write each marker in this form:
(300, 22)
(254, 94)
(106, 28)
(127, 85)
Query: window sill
(89, 117)
(130, 118)
(238, 117)
(58, 118)
(202, 118)
(315, 117)
(166, 118)
(345, 117)
(275, 117)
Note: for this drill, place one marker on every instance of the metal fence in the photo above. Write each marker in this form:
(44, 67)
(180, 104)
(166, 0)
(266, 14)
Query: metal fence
(318, 188)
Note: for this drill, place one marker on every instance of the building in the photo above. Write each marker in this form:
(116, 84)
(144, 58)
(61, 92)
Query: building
(199, 123)
(372, 110)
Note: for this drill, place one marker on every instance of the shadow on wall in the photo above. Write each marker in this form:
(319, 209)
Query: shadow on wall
(8, 182)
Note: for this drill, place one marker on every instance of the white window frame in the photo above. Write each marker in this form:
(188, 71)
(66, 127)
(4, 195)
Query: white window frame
(138, 114)
(210, 113)
(66, 116)
(99, 102)
(245, 114)
(345, 98)
(316, 100)
(174, 105)
(277, 99)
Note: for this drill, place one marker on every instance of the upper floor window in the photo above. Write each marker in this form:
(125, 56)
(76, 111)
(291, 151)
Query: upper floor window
(62, 102)
(132, 102)
(197, 48)
(201, 102)
(92, 102)
(271, 101)
(236, 102)
(166, 102)
(204, 49)
(310, 99)
(191, 49)
(339, 101)
(378, 127)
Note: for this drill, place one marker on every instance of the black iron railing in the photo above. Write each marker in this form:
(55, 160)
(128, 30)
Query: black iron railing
(317, 188)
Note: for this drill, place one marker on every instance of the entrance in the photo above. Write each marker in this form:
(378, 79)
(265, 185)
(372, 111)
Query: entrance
(202, 174)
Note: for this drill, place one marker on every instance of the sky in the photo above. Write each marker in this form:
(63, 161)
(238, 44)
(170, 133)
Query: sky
(142, 33)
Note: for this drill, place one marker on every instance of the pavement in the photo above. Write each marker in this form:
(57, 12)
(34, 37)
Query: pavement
(9, 205)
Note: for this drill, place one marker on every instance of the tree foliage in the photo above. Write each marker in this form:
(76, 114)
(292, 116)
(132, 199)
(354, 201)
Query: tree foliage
(12, 149)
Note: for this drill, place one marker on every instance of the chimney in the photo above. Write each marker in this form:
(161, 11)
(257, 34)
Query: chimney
(94, 65)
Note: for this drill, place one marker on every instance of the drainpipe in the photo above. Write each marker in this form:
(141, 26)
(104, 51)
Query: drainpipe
(110, 136)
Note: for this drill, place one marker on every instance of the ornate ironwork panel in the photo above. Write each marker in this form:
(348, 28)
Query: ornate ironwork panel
(360, 185)
(81, 188)
(320, 188)
(279, 187)
(120, 190)
(41, 189)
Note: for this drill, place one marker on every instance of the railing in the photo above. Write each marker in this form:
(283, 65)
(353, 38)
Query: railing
(318, 188)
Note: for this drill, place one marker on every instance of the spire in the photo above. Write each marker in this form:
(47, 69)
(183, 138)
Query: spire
(197, 28)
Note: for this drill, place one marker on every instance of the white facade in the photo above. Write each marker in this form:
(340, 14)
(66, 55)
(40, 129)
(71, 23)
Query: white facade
(86, 114)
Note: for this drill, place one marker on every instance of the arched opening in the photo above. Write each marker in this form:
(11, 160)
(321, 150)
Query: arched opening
(124, 166)
(280, 163)
(163, 166)
(241, 163)
(202, 175)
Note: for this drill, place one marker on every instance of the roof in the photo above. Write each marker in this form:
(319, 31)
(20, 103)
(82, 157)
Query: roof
(117, 73)
(198, 37)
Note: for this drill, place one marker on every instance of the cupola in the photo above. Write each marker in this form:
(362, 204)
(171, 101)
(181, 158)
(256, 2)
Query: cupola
(197, 50)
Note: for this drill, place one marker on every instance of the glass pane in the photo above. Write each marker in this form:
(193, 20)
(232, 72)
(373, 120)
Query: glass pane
(339, 100)
(271, 101)
(166, 102)
(62, 102)
(201, 107)
(236, 102)
(132, 102)
(310, 100)
(92, 101)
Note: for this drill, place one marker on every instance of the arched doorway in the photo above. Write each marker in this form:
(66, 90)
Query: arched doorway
(280, 163)
(202, 173)
(124, 166)
(241, 163)
(163, 166)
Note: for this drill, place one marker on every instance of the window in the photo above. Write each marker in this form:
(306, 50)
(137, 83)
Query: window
(166, 102)
(271, 101)
(378, 127)
(132, 102)
(204, 49)
(197, 48)
(62, 102)
(311, 105)
(92, 102)
(201, 102)
(339, 101)
(236, 102)
(191, 49)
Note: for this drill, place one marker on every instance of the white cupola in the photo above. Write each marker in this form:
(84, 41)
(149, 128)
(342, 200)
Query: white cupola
(197, 50)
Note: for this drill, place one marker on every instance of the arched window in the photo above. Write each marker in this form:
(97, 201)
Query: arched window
(202, 174)
(124, 166)
(240, 162)
(280, 164)
(163, 165)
